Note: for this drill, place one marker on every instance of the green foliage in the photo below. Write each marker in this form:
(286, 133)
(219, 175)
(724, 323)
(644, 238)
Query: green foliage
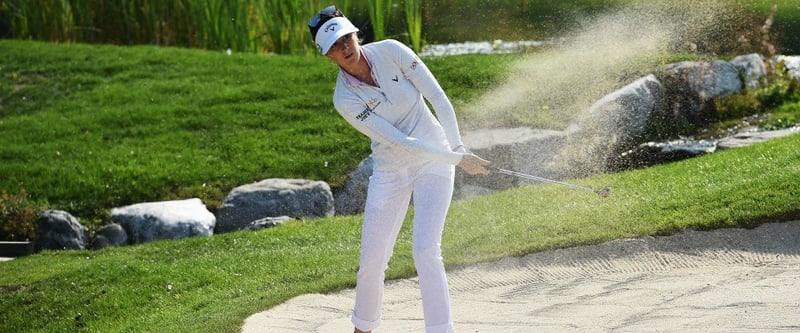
(413, 10)
(17, 216)
(242, 25)
(279, 26)
(379, 12)
(777, 89)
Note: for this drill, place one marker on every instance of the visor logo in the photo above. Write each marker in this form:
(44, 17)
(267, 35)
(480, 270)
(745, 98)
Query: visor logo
(331, 27)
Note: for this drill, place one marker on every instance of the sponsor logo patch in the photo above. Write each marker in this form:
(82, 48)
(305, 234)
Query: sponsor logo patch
(331, 27)
(363, 115)
(371, 105)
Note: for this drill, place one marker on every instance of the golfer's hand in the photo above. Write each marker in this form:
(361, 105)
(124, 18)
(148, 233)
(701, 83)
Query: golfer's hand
(474, 165)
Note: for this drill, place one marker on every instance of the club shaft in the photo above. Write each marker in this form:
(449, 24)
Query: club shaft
(544, 180)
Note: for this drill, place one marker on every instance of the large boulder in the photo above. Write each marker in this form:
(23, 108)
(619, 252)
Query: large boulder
(521, 149)
(59, 230)
(177, 219)
(690, 89)
(752, 68)
(352, 198)
(296, 198)
(613, 124)
(790, 64)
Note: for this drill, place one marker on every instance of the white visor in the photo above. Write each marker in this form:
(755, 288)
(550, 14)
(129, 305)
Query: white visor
(331, 31)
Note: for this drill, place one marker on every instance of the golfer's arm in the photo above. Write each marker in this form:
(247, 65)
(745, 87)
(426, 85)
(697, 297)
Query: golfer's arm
(430, 88)
(380, 130)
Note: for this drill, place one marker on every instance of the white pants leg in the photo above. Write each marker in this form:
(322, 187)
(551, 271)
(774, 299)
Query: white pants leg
(387, 203)
(432, 196)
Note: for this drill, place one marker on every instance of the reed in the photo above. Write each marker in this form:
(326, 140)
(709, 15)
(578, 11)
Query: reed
(413, 10)
(285, 24)
(277, 26)
(378, 11)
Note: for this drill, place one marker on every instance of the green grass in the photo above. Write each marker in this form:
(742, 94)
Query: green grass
(90, 127)
(87, 128)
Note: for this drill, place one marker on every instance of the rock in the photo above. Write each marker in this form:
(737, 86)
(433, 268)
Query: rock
(110, 235)
(752, 137)
(690, 88)
(791, 64)
(752, 68)
(353, 196)
(267, 222)
(296, 198)
(522, 149)
(652, 153)
(59, 230)
(614, 124)
(177, 219)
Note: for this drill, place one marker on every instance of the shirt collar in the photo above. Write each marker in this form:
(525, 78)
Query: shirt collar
(352, 80)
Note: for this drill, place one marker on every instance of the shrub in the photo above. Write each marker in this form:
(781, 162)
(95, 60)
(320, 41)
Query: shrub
(777, 89)
(17, 217)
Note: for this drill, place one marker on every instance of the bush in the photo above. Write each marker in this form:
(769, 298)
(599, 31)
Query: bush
(17, 217)
(778, 88)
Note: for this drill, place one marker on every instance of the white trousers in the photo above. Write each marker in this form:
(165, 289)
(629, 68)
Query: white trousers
(388, 198)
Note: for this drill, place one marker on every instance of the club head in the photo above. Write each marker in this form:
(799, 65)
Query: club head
(604, 193)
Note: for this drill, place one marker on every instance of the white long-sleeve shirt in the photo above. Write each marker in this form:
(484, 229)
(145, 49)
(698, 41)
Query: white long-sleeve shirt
(394, 114)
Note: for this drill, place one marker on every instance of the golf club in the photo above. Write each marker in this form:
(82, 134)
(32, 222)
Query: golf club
(603, 193)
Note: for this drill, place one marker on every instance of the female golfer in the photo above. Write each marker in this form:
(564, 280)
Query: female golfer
(379, 91)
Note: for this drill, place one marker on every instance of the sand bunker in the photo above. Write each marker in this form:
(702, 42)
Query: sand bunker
(724, 280)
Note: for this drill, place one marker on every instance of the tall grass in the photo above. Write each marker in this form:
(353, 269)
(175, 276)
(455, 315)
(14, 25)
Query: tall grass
(255, 26)
(413, 10)
(242, 25)
(279, 26)
(378, 11)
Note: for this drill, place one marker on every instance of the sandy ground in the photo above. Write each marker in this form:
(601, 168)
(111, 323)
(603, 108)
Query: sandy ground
(731, 280)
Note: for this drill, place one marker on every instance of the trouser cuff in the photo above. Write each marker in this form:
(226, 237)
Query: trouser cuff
(365, 325)
(444, 328)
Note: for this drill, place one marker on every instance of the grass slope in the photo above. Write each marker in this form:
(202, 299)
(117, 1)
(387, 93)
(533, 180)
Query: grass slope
(211, 284)
(88, 128)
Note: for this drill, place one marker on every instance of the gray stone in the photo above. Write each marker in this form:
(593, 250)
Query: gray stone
(267, 222)
(614, 124)
(752, 68)
(744, 139)
(110, 235)
(177, 219)
(296, 198)
(59, 230)
(522, 149)
(691, 87)
(353, 196)
(790, 64)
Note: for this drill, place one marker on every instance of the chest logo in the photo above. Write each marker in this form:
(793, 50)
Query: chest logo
(372, 103)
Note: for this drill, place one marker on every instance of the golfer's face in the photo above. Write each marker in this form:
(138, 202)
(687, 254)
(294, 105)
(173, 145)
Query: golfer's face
(345, 50)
